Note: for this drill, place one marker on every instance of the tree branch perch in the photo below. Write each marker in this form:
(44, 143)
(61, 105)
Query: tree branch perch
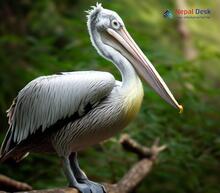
(9, 184)
(147, 158)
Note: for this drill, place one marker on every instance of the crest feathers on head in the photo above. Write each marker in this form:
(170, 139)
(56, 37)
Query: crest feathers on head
(92, 13)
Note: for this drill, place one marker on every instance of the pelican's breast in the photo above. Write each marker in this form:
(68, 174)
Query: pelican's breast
(133, 100)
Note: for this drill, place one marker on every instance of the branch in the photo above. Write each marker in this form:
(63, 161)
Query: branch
(147, 158)
(140, 169)
(9, 184)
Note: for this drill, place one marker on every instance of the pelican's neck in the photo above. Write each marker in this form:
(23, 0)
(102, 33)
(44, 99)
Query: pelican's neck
(128, 74)
(127, 71)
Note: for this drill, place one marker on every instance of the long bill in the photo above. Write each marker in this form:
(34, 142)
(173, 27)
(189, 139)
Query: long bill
(144, 67)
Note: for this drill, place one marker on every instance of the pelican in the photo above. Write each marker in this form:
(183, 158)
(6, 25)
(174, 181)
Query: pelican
(68, 112)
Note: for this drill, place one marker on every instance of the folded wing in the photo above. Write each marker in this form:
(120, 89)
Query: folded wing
(49, 99)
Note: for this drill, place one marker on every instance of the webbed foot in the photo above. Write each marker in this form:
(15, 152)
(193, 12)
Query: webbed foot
(94, 187)
(83, 188)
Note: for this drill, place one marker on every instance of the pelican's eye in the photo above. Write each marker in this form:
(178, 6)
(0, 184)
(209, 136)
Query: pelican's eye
(115, 24)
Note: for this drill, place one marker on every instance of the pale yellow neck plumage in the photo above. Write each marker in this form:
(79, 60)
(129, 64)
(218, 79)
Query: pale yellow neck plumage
(133, 99)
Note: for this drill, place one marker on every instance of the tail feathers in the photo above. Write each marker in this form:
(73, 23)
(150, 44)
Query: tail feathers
(14, 154)
(23, 156)
(7, 143)
(3, 158)
(10, 149)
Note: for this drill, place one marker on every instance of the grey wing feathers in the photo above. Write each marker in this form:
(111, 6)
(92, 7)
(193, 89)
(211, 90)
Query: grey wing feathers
(45, 100)
(10, 111)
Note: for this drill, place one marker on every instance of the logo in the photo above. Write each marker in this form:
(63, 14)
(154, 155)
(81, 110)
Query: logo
(168, 14)
(188, 13)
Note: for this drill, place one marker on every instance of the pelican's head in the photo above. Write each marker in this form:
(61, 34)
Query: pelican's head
(106, 28)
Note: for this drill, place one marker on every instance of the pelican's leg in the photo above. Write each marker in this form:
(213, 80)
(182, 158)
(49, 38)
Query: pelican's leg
(78, 173)
(82, 178)
(83, 188)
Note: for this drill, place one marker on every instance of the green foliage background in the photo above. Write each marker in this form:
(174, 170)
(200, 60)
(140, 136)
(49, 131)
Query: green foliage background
(48, 36)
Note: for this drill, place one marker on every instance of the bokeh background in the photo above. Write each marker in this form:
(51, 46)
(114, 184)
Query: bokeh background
(48, 36)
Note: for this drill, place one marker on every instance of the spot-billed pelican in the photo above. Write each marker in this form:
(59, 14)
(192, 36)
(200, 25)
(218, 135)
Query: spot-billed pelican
(68, 112)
